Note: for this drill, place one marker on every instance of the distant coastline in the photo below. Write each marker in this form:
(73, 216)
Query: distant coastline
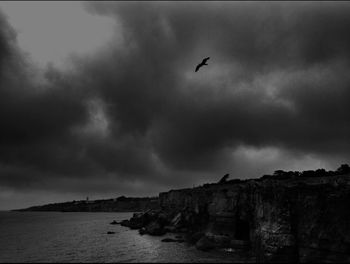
(120, 204)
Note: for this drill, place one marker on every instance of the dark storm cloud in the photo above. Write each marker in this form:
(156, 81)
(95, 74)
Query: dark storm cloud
(138, 114)
(304, 44)
(35, 117)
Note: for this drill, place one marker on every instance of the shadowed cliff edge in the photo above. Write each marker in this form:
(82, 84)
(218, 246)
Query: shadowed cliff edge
(285, 217)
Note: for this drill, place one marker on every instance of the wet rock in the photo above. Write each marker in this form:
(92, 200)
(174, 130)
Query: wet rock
(183, 230)
(155, 229)
(205, 244)
(170, 229)
(162, 218)
(169, 240)
(137, 222)
(176, 220)
(239, 244)
(142, 231)
(172, 240)
(220, 241)
(193, 238)
(125, 223)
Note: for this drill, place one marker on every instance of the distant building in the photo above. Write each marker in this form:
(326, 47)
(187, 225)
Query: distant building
(87, 200)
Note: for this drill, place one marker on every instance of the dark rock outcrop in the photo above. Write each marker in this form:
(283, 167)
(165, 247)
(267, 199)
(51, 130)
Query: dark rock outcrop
(284, 219)
(155, 229)
(205, 244)
(173, 240)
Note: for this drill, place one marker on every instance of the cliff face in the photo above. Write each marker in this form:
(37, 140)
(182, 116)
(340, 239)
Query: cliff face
(299, 220)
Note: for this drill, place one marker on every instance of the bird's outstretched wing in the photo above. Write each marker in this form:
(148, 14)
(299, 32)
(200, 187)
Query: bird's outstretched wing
(205, 60)
(202, 63)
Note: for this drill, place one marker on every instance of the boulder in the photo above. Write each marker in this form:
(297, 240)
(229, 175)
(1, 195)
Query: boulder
(220, 240)
(155, 229)
(162, 219)
(142, 231)
(169, 240)
(193, 238)
(172, 240)
(183, 230)
(125, 223)
(170, 229)
(138, 221)
(205, 244)
(239, 244)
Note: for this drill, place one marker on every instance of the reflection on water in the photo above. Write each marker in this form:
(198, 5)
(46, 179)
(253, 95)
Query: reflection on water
(82, 237)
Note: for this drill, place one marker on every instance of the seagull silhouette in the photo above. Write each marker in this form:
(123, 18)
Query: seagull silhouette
(202, 63)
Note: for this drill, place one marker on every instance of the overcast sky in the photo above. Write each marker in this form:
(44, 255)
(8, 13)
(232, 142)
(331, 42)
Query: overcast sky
(100, 99)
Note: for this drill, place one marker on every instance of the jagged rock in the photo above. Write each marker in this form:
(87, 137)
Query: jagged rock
(155, 229)
(170, 229)
(172, 240)
(205, 244)
(169, 240)
(176, 220)
(220, 241)
(140, 220)
(238, 244)
(142, 231)
(183, 230)
(195, 237)
(162, 218)
(125, 223)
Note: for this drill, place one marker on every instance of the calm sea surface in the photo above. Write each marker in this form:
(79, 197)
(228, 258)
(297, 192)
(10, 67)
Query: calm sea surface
(82, 237)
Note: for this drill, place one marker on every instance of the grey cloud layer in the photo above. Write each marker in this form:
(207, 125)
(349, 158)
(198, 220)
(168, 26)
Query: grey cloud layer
(277, 77)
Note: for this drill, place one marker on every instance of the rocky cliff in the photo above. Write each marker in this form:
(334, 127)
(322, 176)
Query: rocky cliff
(275, 219)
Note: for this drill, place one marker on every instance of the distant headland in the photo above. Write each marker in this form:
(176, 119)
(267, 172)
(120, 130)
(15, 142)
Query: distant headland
(120, 204)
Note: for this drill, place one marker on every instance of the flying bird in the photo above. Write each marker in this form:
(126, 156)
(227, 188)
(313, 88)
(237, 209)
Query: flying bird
(202, 63)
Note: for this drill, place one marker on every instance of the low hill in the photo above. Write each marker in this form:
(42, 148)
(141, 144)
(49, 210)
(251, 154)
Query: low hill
(120, 204)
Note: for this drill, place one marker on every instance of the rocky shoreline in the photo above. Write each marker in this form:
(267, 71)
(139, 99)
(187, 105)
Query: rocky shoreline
(275, 219)
(158, 223)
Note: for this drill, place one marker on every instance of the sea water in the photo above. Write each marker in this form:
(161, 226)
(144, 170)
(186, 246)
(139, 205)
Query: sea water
(82, 237)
